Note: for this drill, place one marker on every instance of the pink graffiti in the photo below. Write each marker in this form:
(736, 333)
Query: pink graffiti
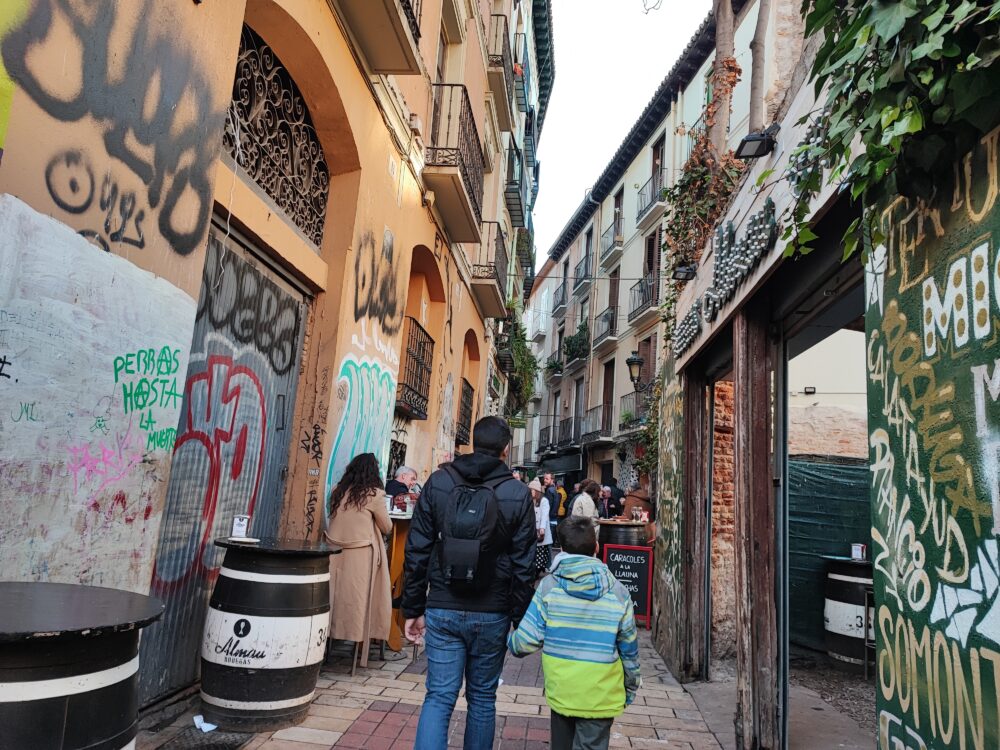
(218, 460)
(102, 464)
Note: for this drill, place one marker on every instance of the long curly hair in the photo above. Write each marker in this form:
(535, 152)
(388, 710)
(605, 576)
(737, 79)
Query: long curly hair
(360, 477)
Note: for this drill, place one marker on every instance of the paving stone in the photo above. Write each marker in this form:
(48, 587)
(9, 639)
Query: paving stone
(307, 734)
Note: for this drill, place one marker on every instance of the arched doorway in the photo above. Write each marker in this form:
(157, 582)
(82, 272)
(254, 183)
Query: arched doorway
(467, 403)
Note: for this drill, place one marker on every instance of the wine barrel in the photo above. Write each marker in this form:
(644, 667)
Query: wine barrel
(629, 534)
(265, 634)
(69, 665)
(847, 584)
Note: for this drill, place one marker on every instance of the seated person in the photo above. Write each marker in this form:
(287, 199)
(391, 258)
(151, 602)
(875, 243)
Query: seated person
(402, 484)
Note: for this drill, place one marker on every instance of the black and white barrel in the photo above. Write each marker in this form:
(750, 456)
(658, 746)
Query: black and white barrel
(847, 585)
(69, 665)
(265, 634)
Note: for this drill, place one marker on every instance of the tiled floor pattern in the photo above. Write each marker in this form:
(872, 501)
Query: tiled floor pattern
(377, 709)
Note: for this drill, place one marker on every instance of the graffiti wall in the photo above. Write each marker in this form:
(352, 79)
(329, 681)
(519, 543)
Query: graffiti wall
(91, 383)
(116, 120)
(933, 360)
(668, 576)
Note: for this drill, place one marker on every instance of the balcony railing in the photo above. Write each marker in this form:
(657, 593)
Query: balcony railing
(531, 138)
(606, 324)
(544, 438)
(464, 427)
(454, 140)
(522, 72)
(643, 295)
(633, 412)
(492, 259)
(554, 365)
(559, 298)
(611, 238)
(499, 54)
(411, 9)
(651, 192)
(569, 431)
(516, 188)
(515, 455)
(415, 372)
(597, 424)
(581, 274)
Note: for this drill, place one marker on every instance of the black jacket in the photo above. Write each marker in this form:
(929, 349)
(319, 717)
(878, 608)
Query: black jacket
(511, 587)
(553, 497)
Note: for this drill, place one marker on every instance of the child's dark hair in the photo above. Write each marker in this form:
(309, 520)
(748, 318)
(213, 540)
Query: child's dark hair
(577, 535)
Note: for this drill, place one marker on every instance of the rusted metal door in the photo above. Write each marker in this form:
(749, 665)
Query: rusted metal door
(231, 450)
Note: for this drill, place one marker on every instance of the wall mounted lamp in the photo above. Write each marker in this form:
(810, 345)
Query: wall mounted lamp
(756, 145)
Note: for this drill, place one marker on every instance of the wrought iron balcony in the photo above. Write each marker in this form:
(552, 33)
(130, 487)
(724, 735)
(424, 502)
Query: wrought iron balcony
(597, 425)
(522, 72)
(412, 10)
(454, 165)
(581, 275)
(554, 367)
(531, 138)
(490, 270)
(569, 432)
(516, 188)
(544, 439)
(643, 296)
(650, 195)
(463, 428)
(415, 372)
(501, 70)
(559, 299)
(633, 412)
(612, 239)
(606, 326)
(529, 452)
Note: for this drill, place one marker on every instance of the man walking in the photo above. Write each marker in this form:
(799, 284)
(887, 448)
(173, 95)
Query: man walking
(469, 571)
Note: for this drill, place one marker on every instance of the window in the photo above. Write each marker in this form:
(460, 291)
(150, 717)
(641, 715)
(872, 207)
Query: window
(588, 242)
(647, 350)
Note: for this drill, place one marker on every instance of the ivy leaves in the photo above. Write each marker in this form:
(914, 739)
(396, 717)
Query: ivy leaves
(908, 86)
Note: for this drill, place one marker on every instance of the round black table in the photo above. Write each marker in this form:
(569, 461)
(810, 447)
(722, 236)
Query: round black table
(69, 665)
(265, 633)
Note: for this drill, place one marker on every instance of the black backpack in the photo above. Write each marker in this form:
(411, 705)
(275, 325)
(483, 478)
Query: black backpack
(472, 534)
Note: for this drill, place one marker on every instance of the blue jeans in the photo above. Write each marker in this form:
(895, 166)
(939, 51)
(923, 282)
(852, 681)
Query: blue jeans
(469, 644)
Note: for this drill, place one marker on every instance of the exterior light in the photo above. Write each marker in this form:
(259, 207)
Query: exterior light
(634, 364)
(685, 271)
(809, 390)
(756, 145)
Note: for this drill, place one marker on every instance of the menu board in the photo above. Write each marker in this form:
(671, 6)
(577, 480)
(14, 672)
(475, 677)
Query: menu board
(633, 566)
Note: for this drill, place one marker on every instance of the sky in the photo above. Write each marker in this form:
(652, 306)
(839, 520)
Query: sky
(610, 57)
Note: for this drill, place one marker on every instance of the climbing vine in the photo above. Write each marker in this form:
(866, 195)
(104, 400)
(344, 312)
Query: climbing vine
(700, 195)
(649, 438)
(521, 386)
(910, 87)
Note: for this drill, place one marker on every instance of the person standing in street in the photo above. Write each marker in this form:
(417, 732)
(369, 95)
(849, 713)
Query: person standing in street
(585, 503)
(469, 570)
(543, 530)
(581, 618)
(552, 495)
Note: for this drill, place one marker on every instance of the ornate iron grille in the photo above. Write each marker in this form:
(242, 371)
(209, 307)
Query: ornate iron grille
(499, 51)
(397, 457)
(415, 381)
(412, 10)
(544, 438)
(464, 427)
(605, 325)
(270, 135)
(491, 261)
(454, 140)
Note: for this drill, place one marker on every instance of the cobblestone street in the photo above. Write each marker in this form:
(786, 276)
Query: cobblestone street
(377, 709)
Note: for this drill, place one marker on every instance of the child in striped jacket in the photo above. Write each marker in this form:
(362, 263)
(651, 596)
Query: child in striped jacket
(581, 617)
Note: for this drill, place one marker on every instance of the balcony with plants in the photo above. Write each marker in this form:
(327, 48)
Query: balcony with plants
(633, 412)
(489, 271)
(501, 70)
(454, 162)
(522, 72)
(414, 386)
(554, 368)
(576, 348)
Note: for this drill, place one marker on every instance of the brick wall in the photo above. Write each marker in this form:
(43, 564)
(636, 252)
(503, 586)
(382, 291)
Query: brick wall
(827, 431)
(723, 531)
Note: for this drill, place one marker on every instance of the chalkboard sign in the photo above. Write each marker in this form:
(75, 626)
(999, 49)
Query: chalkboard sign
(633, 566)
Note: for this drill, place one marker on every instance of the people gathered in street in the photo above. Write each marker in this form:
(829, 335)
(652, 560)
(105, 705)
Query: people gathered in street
(360, 595)
(469, 571)
(585, 503)
(581, 618)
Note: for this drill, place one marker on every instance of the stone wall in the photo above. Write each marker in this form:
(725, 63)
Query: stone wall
(723, 531)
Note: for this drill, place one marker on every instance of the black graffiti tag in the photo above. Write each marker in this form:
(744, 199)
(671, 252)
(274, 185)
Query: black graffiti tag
(377, 294)
(253, 309)
(136, 110)
(312, 443)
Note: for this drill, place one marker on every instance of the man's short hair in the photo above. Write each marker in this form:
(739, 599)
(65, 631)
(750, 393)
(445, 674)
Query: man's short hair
(404, 470)
(577, 535)
(491, 435)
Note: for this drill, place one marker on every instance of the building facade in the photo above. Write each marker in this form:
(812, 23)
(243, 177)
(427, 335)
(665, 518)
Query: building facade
(245, 242)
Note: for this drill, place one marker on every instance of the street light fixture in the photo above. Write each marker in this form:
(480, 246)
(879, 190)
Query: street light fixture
(756, 145)
(685, 271)
(634, 364)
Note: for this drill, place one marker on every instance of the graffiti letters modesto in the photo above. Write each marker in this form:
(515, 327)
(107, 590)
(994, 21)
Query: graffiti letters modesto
(933, 359)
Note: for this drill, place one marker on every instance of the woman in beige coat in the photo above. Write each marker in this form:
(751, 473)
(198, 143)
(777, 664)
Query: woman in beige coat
(360, 594)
